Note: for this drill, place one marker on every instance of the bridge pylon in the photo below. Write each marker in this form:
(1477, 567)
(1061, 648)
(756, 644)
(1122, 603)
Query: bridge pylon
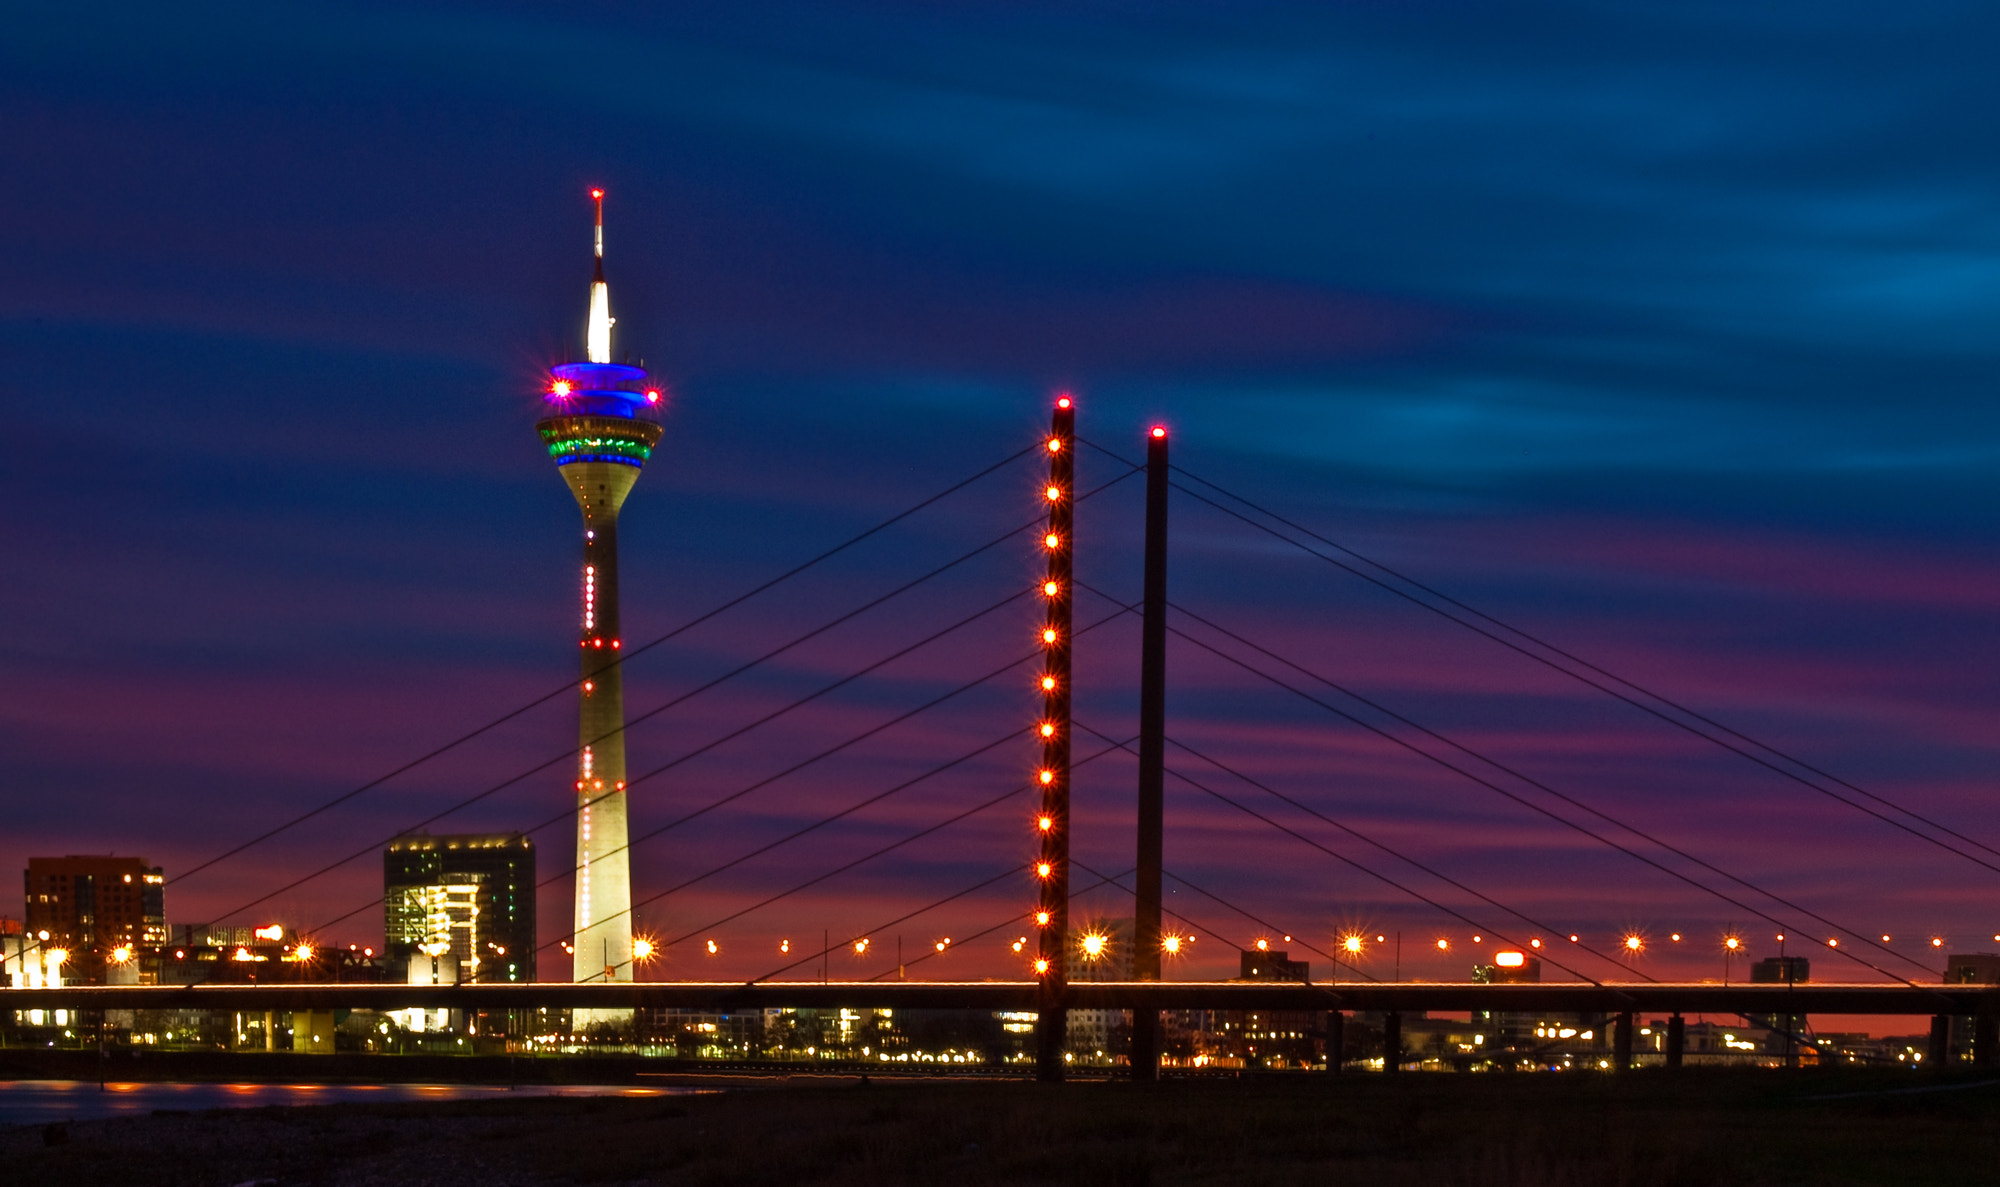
(1053, 730)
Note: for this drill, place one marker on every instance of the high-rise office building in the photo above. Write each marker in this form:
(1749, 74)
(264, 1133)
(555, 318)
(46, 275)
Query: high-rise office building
(467, 897)
(91, 909)
(599, 427)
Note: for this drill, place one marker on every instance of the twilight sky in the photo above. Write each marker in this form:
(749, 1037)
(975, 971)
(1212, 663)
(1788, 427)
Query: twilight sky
(1662, 331)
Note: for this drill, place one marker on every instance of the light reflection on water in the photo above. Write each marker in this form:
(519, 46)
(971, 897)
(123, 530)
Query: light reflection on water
(37, 1102)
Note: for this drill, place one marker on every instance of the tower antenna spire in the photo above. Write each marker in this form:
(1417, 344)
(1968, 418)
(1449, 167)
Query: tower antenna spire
(597, 334)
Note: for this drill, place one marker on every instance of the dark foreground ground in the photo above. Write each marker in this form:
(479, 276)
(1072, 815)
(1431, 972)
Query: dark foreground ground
(1475, 1130)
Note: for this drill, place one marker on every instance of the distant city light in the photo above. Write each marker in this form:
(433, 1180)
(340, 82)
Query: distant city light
(1093, 945)
(1634, 943)
(861, 946)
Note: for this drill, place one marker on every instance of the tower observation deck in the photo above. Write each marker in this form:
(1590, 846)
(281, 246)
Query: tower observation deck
(599, 427)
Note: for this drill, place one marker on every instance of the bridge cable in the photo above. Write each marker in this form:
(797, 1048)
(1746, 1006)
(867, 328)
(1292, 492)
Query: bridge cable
(738, 600)
(568, 754)
(841, 869)
(569, 812)
(1117, 881)
(1580, 661)
(1414, 893)
(1543, 787)
(1395, 853)
(981, 934)
(1600, 838)
(1610, 692)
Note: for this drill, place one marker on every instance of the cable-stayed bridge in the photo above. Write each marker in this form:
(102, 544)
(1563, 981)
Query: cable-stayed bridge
(1052, 734)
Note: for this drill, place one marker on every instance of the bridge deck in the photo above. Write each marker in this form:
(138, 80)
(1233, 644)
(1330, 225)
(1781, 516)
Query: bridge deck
(1572, 997)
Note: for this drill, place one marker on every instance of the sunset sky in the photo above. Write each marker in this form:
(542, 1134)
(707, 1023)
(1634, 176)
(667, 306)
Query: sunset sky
(1662, 332)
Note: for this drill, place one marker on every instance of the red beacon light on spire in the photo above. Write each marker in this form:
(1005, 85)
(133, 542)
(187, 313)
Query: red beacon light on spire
(1063, 401)
(1159, 430)
(597, 193)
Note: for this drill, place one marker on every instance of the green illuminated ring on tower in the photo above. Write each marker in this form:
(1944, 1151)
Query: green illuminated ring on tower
(599, 439)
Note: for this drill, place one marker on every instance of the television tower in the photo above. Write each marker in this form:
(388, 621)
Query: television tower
(599, 426)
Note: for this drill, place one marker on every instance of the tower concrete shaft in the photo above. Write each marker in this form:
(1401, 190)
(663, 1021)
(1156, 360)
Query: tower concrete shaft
(603, 935)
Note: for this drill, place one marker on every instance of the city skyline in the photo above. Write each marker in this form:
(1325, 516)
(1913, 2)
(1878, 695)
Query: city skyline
(1667, 336)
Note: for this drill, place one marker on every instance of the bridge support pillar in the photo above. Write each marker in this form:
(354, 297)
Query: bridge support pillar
(1145, 1046)
(1147, 941)
(1336, 1041)
(1676, 1042)
(1392, 1042)
(1621, 1043)
(1939, 1054)
(1985, 1036)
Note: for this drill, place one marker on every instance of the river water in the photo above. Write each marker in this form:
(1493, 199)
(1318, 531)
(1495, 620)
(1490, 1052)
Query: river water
(37, 1102)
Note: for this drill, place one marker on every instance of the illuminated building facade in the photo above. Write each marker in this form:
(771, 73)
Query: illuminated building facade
(599, 428)
(468, 896)
(90, 909)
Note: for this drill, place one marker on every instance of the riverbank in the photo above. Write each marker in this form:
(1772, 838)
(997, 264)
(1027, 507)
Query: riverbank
(1492, 1131)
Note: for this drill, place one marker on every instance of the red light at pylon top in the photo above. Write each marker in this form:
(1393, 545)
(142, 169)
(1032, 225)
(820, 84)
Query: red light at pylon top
(1159, 431)
(1063, 402)
(597, 194)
